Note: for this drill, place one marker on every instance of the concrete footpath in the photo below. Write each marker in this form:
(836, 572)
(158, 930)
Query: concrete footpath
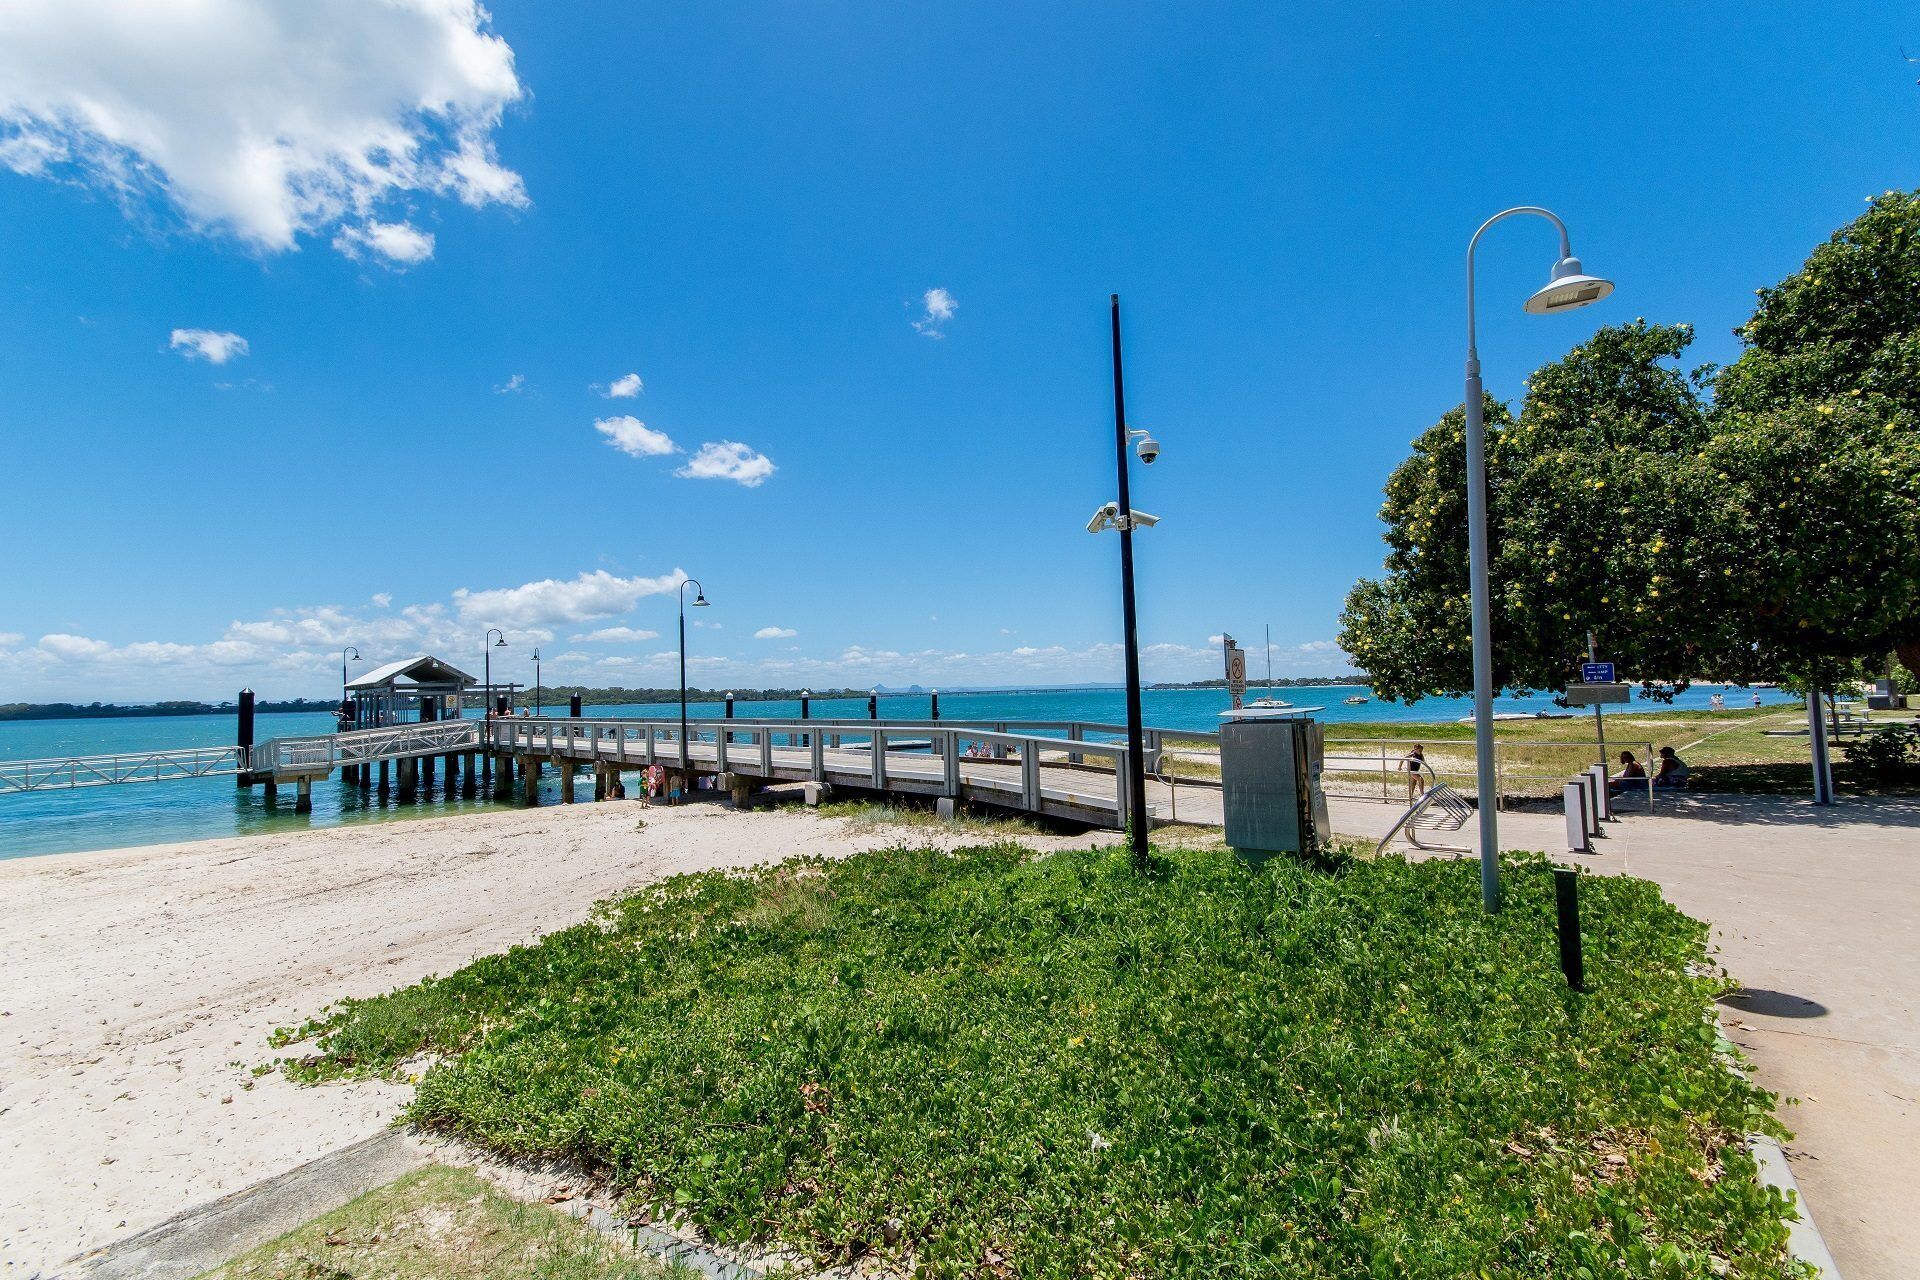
(1817, 912)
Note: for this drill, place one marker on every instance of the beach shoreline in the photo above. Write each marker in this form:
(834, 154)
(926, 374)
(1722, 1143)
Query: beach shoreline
(143, 983)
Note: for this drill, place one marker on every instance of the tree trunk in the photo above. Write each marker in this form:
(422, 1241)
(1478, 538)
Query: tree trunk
(1909, 654)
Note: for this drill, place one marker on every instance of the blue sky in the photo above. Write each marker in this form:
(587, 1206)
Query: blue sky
(747, 206)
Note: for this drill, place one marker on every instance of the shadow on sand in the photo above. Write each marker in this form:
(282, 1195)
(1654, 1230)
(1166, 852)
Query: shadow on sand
(1773, 1004)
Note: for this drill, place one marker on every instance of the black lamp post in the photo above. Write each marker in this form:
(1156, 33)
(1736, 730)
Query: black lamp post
(345, 653)
(537, 709)
(487, 645)
(699, 599)
(1136, 737)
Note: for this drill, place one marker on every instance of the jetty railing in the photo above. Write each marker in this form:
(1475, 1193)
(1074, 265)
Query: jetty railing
(939, 756)
(106, 770)
(322, 752)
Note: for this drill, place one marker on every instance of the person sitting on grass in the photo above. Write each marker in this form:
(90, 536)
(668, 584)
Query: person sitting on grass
(1672, 772)
(1632, 773)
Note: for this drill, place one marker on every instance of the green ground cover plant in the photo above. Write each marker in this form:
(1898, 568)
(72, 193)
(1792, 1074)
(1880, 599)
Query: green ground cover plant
(439, 1223)
(990, 1063)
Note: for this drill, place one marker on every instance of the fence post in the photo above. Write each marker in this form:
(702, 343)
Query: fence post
(1566, 901)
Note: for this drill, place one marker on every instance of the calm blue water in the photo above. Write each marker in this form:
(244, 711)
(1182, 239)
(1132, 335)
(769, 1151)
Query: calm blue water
(158, 813)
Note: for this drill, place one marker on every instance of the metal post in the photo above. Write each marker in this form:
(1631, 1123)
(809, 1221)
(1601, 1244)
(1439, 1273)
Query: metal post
(873, 705)
(936, 704)
(243, 736)
(1136, 752)
(1566, 899)
(573, 705)
(1822, 758)
(1599, 721)
(700, 597)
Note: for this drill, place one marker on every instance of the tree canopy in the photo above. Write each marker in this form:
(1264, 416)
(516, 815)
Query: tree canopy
(1756, 522)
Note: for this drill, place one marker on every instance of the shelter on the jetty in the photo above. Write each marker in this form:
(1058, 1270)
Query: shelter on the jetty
(421, 689)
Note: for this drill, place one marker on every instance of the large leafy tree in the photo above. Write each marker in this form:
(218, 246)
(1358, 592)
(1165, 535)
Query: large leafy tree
(1600, 517)
(1772, 532)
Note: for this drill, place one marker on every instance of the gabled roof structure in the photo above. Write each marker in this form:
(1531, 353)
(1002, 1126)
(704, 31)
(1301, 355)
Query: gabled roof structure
(411, 675)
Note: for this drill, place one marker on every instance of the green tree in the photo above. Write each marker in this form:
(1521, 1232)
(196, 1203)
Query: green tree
(1601, 515)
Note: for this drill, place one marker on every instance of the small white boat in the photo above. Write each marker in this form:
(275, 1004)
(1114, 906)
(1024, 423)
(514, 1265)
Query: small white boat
(1356, 701)
(1267, 709)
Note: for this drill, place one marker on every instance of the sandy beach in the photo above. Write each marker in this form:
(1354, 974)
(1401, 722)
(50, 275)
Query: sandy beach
(141, 985)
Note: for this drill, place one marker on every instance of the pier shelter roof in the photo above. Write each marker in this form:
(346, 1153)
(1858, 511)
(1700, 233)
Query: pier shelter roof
(413, 676)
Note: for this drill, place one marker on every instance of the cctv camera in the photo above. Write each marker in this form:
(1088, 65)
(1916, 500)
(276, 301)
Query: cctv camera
(1103, 518)
(1148, 449)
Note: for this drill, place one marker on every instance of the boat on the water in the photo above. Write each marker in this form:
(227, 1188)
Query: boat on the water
(1356, 701)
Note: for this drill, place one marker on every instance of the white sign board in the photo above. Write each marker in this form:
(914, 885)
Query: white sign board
(1236, 672)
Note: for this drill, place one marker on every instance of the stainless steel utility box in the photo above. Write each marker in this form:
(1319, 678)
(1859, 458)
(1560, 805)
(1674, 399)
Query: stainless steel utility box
(1270, 775)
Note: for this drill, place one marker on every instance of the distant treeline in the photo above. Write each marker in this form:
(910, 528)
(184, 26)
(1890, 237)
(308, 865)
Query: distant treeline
(1291, 682)
(108, 710)
(558, 694)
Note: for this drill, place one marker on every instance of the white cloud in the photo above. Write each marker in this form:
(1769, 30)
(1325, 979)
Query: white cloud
(625, 387)
(775, 633)
(393, 244)
(212, 345)
(382, 598)
(615, 635)
(260, 119)
(591, 595)
(62, 645)
(10, 638)
(728, 460)
(513, 385)
(635, 438)
(937, 307)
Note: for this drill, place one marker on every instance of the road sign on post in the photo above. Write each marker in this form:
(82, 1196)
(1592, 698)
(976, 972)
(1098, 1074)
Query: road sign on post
(1236, 670)
(1596, 673)
(1592, 695)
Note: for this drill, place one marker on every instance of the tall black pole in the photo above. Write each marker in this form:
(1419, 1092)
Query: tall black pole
(683, 680)
(1136, 737)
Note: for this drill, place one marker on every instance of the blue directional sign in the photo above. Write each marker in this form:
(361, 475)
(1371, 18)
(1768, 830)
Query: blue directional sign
(1596, 672)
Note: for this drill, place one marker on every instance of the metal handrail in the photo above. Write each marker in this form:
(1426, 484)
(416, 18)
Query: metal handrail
(69, 772)
(752, 744)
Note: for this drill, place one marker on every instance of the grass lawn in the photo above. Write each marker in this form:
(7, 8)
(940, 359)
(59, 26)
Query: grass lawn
(988, 1063)
(438, 1223)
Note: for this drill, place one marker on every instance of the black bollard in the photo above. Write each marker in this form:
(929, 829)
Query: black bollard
(805, 696)
(936, 704)
(244, 736)
(573, 706)
(729, 706)
(1566, 897)
(873, 705)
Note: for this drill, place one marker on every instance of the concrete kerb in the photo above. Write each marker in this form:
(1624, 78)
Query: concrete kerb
(213, 1234)
(1804, 1241)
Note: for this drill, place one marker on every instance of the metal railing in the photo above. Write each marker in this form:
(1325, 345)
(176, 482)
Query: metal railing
(951, 757)
(1375, 768)
(321, 753)
(135, 766)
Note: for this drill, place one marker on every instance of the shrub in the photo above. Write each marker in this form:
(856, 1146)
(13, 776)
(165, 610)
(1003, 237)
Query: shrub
(1890, 753)
(986, 1063)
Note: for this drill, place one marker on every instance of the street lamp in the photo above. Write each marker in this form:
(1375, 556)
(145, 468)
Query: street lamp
(1568, 286)
(487, 645)
(348, 652)
(537, 708)
(1120, 515)
(699, 601)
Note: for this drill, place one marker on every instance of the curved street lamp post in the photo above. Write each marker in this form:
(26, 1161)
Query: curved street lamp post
(1568, 287)
(699, 601)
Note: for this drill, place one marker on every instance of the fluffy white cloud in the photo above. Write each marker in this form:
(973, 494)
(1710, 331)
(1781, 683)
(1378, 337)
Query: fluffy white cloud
(728, 460)
(635, 438)
(937, 307)
(615, 635)
(625, 387)
(775, 633)
(591, 595)
(62, 645)
(213, 346)
(10, 638)
(393, 244)
(258, 118)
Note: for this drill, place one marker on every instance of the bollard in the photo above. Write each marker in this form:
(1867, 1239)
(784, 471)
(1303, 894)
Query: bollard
(729, 706)
(1566, 901)
(936, 704)
(873, 705)
(573, 706)
(244, 738)
(1593, 793)
(1574, 797)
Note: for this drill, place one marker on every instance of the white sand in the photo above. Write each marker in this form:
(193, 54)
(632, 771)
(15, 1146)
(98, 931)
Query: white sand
(139, 986)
